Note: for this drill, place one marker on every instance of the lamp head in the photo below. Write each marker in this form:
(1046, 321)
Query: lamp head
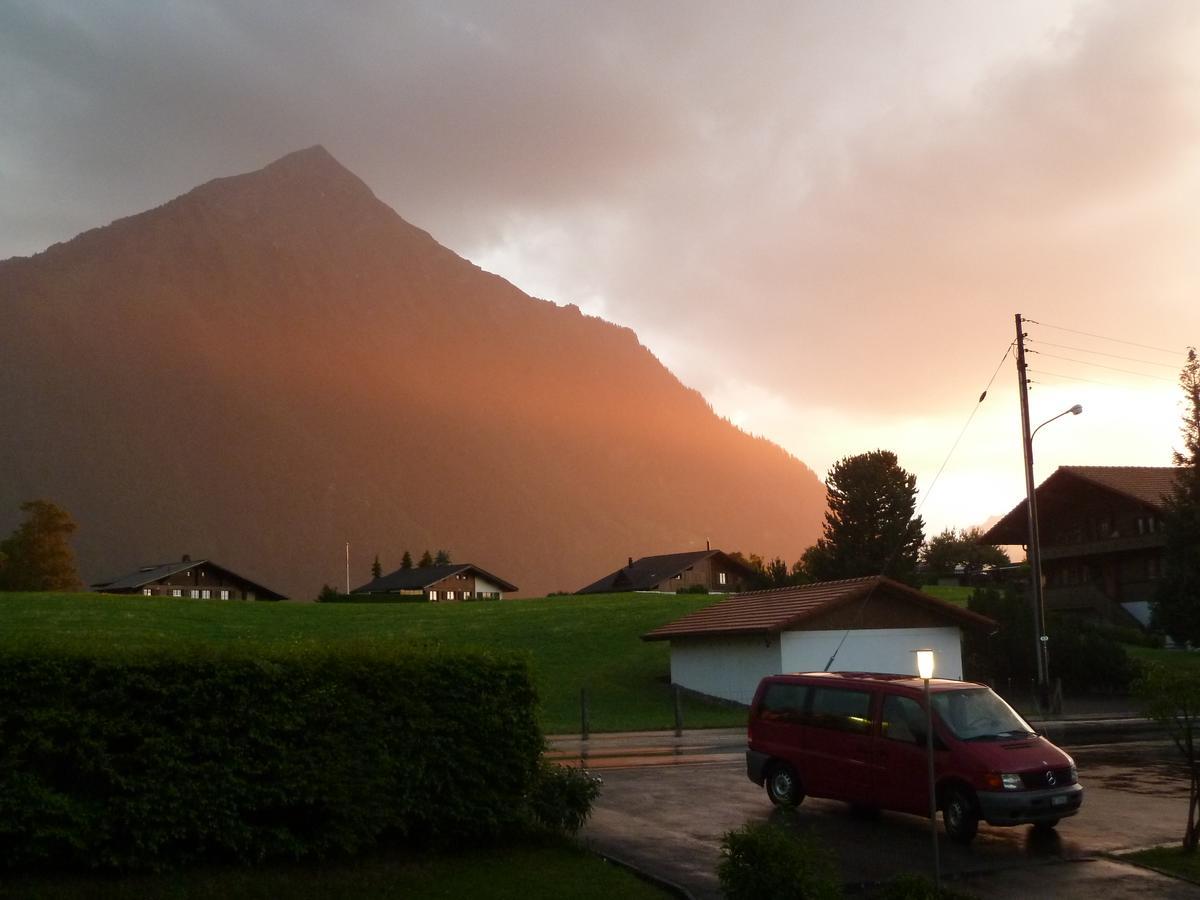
(1076, 409)
(925, 663)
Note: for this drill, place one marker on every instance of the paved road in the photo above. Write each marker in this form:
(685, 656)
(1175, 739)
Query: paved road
(667, 802)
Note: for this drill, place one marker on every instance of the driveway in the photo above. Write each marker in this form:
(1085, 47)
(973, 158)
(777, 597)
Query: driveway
(667, 816)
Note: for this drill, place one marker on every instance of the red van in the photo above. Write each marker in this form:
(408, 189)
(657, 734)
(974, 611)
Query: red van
(861, 738)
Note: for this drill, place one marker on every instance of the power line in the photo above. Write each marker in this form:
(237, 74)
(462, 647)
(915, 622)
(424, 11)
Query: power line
(1072, 378)
(1104, 337)
(1102, 353)
(1084, 362)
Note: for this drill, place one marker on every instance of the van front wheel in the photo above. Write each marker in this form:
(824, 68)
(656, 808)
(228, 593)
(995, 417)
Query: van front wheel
(959, 816)
(783, 787)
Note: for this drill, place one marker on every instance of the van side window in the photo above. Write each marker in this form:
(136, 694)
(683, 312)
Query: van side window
(841, 710)
(903, 719)
(783, 703)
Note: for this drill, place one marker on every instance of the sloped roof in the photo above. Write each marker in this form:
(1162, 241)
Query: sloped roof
(152, 573)
(782, 609)
(645, 573)
(422, 578)
(1145, 484)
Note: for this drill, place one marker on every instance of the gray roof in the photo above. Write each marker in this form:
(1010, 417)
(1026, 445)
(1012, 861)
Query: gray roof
(150, 574)
(422, 578)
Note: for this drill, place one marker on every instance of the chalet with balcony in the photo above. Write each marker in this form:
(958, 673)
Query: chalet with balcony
(1101, 538)
(438, 584)
(669, 573)
(199, 579)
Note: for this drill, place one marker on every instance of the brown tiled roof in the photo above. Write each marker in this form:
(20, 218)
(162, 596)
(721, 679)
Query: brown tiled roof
(649, 571)
(764, 612)
(1146, 484)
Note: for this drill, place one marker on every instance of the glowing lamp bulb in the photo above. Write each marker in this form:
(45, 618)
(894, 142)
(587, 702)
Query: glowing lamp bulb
(925, 663)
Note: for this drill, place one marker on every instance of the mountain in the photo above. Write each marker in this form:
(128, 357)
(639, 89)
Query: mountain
(276, 363)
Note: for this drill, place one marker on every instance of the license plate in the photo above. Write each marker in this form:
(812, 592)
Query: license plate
(1058, 801)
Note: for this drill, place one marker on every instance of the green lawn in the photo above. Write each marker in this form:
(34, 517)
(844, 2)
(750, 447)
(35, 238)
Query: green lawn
(1169, 859)
(1171, 659)
(546, 872)
(573, 642)
(950, 593)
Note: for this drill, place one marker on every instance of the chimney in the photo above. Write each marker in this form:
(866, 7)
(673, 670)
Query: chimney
(630, 563)
(187, 557)
(707, 545)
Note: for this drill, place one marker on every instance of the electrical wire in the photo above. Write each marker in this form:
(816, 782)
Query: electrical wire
(1071, 378)
(1084, 362)
(1103, 337)
(1146, 362)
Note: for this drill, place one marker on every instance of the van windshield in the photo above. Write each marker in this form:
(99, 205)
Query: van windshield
(979, 715)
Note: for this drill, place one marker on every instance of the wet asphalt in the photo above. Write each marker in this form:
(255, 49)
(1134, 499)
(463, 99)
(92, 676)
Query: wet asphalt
(667, 802)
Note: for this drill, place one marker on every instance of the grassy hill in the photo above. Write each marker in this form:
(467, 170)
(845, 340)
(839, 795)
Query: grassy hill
(573, 641)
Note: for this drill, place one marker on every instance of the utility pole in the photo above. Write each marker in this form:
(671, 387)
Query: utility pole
(348, 560)
(1034, 547)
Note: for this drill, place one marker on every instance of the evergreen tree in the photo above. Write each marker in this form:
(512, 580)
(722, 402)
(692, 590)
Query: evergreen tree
(376, 568)
(37, 556)
(944, 552)
(870, 527)
(442, 558)
(425, 561)
(406, 560)
(1177, 600)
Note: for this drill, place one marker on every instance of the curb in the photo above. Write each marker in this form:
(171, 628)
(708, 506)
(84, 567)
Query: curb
(671, 887)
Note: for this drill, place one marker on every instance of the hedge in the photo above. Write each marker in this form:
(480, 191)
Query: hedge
(116, 762)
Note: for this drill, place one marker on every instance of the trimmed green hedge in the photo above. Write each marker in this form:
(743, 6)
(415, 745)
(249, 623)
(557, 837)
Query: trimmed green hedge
(116, 762)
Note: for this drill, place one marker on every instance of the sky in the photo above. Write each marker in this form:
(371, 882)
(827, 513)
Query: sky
(821, 215)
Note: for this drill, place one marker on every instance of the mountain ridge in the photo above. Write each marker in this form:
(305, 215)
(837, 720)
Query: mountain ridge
(286, 339)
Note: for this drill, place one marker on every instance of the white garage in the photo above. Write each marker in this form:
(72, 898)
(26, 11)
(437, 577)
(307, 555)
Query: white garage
(856, 625)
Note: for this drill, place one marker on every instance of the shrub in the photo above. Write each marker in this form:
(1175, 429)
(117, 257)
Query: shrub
(562, 797)
(129, 762)
(768, 862)
(693, 589)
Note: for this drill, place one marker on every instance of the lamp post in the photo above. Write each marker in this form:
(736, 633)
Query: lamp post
(925, 670)
(1035, 558)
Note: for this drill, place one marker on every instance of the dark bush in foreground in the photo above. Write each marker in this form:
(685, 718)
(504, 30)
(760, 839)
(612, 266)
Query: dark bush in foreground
(125, 763)
(562, 797)
(768, 862)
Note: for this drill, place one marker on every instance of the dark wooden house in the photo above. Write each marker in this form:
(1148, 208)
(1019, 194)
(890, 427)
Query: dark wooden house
(712, 569)
(200, 579)
(438, 584)
(1101, 538)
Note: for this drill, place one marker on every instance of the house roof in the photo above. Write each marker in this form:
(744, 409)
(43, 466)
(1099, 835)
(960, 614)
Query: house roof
(644, 574)
(152, 573)
(783, 609)
(424, 577)
(1144, 484)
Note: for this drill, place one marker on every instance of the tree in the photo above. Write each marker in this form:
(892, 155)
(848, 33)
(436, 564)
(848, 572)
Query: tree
(1171, 697)
(945, 552)
(425, 561)
(406, 560)
(376, 568)
(442, 558)
(1177, 600)
(870, 527)
(37, 556)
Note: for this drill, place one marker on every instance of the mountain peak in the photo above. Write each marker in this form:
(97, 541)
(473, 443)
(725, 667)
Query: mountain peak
(311, 159)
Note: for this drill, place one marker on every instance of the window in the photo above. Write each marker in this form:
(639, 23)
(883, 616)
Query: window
(176, 592)
(903, 720)
(841, 710)
(784, 703)
(194, 594)
(720, 578)
(432, 596)
(206, 595)
(146, 592)
(224, 595)
(449, 595)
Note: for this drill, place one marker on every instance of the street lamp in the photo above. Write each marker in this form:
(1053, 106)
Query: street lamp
(1035, 558)
(925, 671)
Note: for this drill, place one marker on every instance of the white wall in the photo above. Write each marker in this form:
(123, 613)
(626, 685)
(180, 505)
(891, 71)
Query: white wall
(873, 650)
(724, 667)
(483, 586)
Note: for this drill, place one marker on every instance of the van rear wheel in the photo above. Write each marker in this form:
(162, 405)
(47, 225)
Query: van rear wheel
(783, 786)
(960, 816)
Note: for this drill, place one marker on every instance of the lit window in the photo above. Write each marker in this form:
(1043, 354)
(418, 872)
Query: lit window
(721, 577)
(176, 592)
(224, 595)
(206, 595)
(194, 594)
(146, 592)
(449, 595)
(433, 595)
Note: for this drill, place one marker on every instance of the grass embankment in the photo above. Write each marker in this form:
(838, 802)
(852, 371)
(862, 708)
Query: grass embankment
(573, 642)
(1169, 859)
(951, 593)
(546, 872)
(1168, 659)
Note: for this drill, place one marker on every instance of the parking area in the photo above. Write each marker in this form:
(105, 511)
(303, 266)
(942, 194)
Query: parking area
(669, 820)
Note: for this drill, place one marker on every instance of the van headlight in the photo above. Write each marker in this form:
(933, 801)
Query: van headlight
(1074, 774)
(1011, 782)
